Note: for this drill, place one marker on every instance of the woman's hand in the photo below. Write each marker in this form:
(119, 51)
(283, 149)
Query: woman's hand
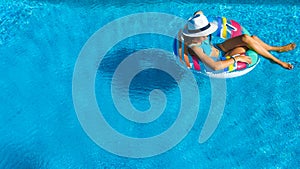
(243, 58)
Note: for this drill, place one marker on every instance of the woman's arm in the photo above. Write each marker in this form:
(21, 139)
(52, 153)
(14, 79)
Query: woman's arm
(218, 65)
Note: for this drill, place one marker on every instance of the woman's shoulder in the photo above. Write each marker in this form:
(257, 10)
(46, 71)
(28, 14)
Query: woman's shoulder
(194, 45)
(195, 50)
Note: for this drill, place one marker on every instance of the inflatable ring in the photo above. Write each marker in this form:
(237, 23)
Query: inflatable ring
(226, 29)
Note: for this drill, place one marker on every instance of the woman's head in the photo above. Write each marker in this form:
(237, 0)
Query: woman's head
(199, 39)
(190, 40)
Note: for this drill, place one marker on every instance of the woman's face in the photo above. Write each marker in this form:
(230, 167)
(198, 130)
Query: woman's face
(199, 39)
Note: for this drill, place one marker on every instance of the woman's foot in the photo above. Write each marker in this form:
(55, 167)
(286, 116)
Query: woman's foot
(287, 66)
(287, 47)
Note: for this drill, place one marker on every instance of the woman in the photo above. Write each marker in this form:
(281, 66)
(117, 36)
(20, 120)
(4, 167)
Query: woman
(195, 35)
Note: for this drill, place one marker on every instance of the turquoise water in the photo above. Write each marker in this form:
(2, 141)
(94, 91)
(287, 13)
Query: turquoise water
(39, 45)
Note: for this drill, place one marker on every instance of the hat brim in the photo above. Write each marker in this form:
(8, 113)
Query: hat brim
(213, 27)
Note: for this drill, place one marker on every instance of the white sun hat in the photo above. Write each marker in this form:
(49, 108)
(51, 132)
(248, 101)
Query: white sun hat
(198, 25)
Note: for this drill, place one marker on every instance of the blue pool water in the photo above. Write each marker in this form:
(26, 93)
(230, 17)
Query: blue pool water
(39, 45)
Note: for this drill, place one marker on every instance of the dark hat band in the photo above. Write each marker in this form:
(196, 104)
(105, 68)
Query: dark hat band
(199, 30)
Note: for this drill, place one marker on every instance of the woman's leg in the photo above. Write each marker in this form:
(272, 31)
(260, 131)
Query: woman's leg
(251, 43)
(284, 48)
(237, 50)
